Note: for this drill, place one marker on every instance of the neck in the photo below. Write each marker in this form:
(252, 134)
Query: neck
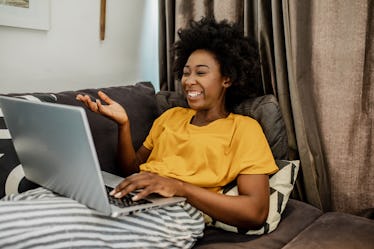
(204, 118)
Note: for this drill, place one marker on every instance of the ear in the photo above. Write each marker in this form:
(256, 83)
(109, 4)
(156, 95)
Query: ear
(227, 82)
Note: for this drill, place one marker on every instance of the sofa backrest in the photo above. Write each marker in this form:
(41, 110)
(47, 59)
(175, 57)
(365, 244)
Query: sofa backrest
(142, 106)
(139, 101)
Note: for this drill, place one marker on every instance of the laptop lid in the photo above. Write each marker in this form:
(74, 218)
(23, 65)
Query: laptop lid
(56, 150)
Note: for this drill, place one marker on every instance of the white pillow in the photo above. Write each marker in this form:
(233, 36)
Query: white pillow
(281, 186)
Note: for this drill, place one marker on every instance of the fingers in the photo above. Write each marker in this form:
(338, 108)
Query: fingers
(99, 106)
(95, 105)
(105, 97)
(105, 106)
(86, 99)
(147, 183)
(130, 184)
(142, 194)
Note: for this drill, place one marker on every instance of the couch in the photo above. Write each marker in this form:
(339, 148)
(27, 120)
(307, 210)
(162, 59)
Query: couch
(301, 225)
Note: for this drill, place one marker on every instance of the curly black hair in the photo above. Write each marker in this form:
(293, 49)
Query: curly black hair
(236, 54)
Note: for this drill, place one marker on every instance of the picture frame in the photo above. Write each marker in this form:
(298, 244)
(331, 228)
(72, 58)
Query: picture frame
(35, 16)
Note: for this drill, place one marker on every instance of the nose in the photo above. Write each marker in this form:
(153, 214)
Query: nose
(189, 80)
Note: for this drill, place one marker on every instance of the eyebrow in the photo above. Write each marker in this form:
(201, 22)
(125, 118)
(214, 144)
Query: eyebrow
(202, 65)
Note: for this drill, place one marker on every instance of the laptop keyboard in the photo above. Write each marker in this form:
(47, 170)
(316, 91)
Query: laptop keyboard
(125, 201)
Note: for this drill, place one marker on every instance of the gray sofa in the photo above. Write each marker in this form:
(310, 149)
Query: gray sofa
(302, 225)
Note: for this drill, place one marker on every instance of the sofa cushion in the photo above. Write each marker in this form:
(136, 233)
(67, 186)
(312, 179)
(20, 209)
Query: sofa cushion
(11, 173)
(264, 109)
(281, 185)
(336, 230)
(294, 220)
(140, 103)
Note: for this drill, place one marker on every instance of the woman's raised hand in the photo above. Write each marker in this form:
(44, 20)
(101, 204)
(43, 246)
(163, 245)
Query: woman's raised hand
(111, 109)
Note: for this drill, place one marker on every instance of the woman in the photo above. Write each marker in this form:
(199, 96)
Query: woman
(191, 152)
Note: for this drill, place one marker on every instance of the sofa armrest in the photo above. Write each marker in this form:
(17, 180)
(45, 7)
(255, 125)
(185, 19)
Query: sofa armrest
(294, 220)
(336, 230)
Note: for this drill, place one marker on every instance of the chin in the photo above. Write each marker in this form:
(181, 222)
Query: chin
(192, 105)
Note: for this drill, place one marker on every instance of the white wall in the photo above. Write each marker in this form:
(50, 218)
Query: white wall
(70, 55)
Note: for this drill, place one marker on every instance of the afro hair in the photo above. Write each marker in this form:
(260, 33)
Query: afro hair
(236, 54)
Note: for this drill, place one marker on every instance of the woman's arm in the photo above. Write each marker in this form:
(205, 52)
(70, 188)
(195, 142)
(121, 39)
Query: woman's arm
(129, 159)
(248, 210)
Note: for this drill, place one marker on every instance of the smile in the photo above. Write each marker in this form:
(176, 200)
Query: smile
(193, 94)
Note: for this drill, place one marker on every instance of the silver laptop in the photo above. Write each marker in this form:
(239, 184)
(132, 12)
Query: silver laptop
(56, 150)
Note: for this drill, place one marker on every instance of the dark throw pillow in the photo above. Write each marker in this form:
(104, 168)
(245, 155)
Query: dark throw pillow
(140, 104)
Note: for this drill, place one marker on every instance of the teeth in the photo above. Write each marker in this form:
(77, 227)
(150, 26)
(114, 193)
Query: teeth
(194, 94)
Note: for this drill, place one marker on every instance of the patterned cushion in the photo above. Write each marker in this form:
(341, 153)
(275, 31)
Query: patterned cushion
(139, 101)
(281, 185)
(12, 178)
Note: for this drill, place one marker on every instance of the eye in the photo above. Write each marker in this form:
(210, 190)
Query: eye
(185, 73)
(200, 73)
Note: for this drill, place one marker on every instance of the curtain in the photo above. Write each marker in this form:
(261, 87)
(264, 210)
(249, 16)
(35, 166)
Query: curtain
(317, 59)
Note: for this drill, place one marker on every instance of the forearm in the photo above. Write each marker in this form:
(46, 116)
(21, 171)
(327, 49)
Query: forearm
(244, 211)
(126, 152)
(248, 210)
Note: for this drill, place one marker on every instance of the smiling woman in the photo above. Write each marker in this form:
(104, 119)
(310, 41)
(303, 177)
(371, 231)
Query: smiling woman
(190, 152)
(232, 54)
(218, 68)
(205, 86)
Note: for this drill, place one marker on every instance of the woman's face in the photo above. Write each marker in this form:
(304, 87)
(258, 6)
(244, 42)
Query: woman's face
(203, 83)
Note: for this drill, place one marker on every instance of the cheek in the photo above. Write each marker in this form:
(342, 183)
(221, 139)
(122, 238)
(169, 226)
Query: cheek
(183, 80)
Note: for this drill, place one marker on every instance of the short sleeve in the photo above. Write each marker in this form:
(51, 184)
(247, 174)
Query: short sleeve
(253, 149)
(157, 128)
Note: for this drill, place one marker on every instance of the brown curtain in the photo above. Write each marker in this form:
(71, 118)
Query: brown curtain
(317, 59)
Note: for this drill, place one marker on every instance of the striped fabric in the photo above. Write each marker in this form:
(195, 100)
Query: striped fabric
(39, 218)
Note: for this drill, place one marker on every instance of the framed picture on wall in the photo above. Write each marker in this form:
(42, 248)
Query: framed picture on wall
(31, 14)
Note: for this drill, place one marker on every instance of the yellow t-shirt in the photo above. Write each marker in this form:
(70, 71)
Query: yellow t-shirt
(209, 156)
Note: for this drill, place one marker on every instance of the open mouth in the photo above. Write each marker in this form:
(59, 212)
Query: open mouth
(194, 94)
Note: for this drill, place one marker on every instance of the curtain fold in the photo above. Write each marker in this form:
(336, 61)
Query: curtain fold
(341, 69)
(300, 80)
(294, 63)
(166, 37)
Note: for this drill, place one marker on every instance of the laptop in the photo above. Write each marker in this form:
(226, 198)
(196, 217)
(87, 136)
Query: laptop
(55, 147)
